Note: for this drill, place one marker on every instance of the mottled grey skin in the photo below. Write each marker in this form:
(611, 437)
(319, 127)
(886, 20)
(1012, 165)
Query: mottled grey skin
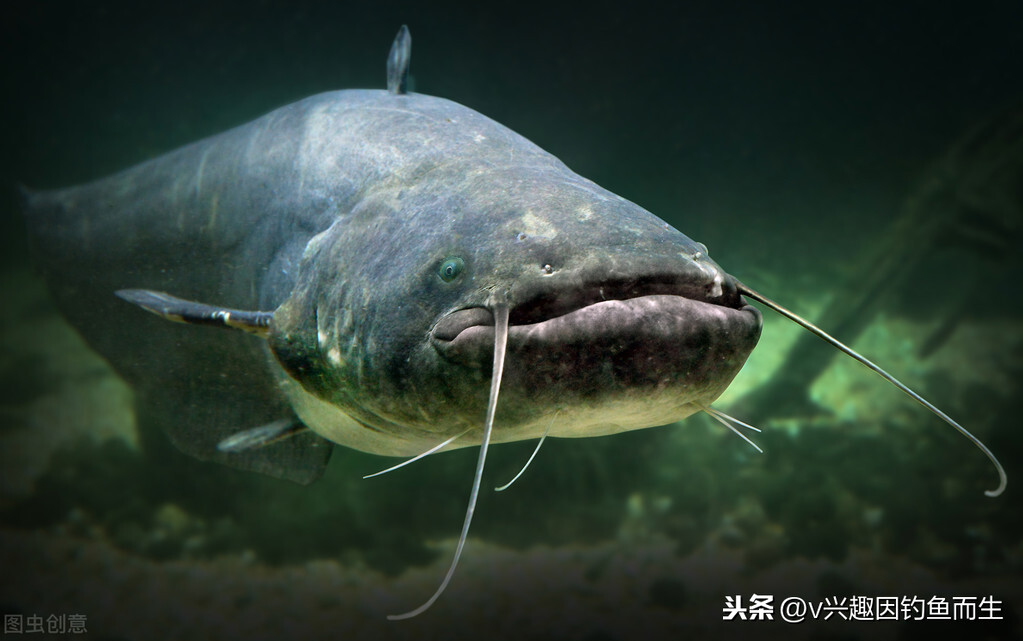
(337, 212)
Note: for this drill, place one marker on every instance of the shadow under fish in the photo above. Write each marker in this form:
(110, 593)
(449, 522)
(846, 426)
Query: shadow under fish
(409, 263)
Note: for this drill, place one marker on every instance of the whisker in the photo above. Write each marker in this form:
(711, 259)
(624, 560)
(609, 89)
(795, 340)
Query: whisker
(531, 456)
(720, 418)
(419, 456)
(820, 333)
(731, 418)
(500, 344)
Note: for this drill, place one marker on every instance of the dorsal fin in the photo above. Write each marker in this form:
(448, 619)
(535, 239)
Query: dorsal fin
(180, 310)
(398, 61)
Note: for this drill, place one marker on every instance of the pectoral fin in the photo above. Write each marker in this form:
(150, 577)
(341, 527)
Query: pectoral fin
(262, 436)
(180, 310)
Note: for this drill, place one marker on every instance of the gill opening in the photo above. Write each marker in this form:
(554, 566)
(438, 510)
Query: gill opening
(500, 310)
(820, 333)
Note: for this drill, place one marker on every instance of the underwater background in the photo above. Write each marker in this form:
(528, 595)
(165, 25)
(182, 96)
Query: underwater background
(861, 163)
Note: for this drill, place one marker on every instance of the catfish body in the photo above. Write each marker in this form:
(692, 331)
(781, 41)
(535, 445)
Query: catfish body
(339, 213)
(395, 255)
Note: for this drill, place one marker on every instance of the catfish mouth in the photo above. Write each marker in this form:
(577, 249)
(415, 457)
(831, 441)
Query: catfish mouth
(609, 314)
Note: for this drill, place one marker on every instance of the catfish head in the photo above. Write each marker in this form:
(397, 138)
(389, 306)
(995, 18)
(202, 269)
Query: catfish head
(616, 321)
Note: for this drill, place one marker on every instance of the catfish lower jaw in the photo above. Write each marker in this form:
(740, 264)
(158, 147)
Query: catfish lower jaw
(658, 333)
(453, 324)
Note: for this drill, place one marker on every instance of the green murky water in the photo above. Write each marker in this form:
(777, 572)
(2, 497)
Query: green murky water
(787, 141)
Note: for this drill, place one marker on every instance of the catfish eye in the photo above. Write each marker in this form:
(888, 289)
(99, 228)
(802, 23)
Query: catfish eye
(451, 268)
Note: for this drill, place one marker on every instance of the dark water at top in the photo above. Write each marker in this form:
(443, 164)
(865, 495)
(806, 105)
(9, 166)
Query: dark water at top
(787, 139)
